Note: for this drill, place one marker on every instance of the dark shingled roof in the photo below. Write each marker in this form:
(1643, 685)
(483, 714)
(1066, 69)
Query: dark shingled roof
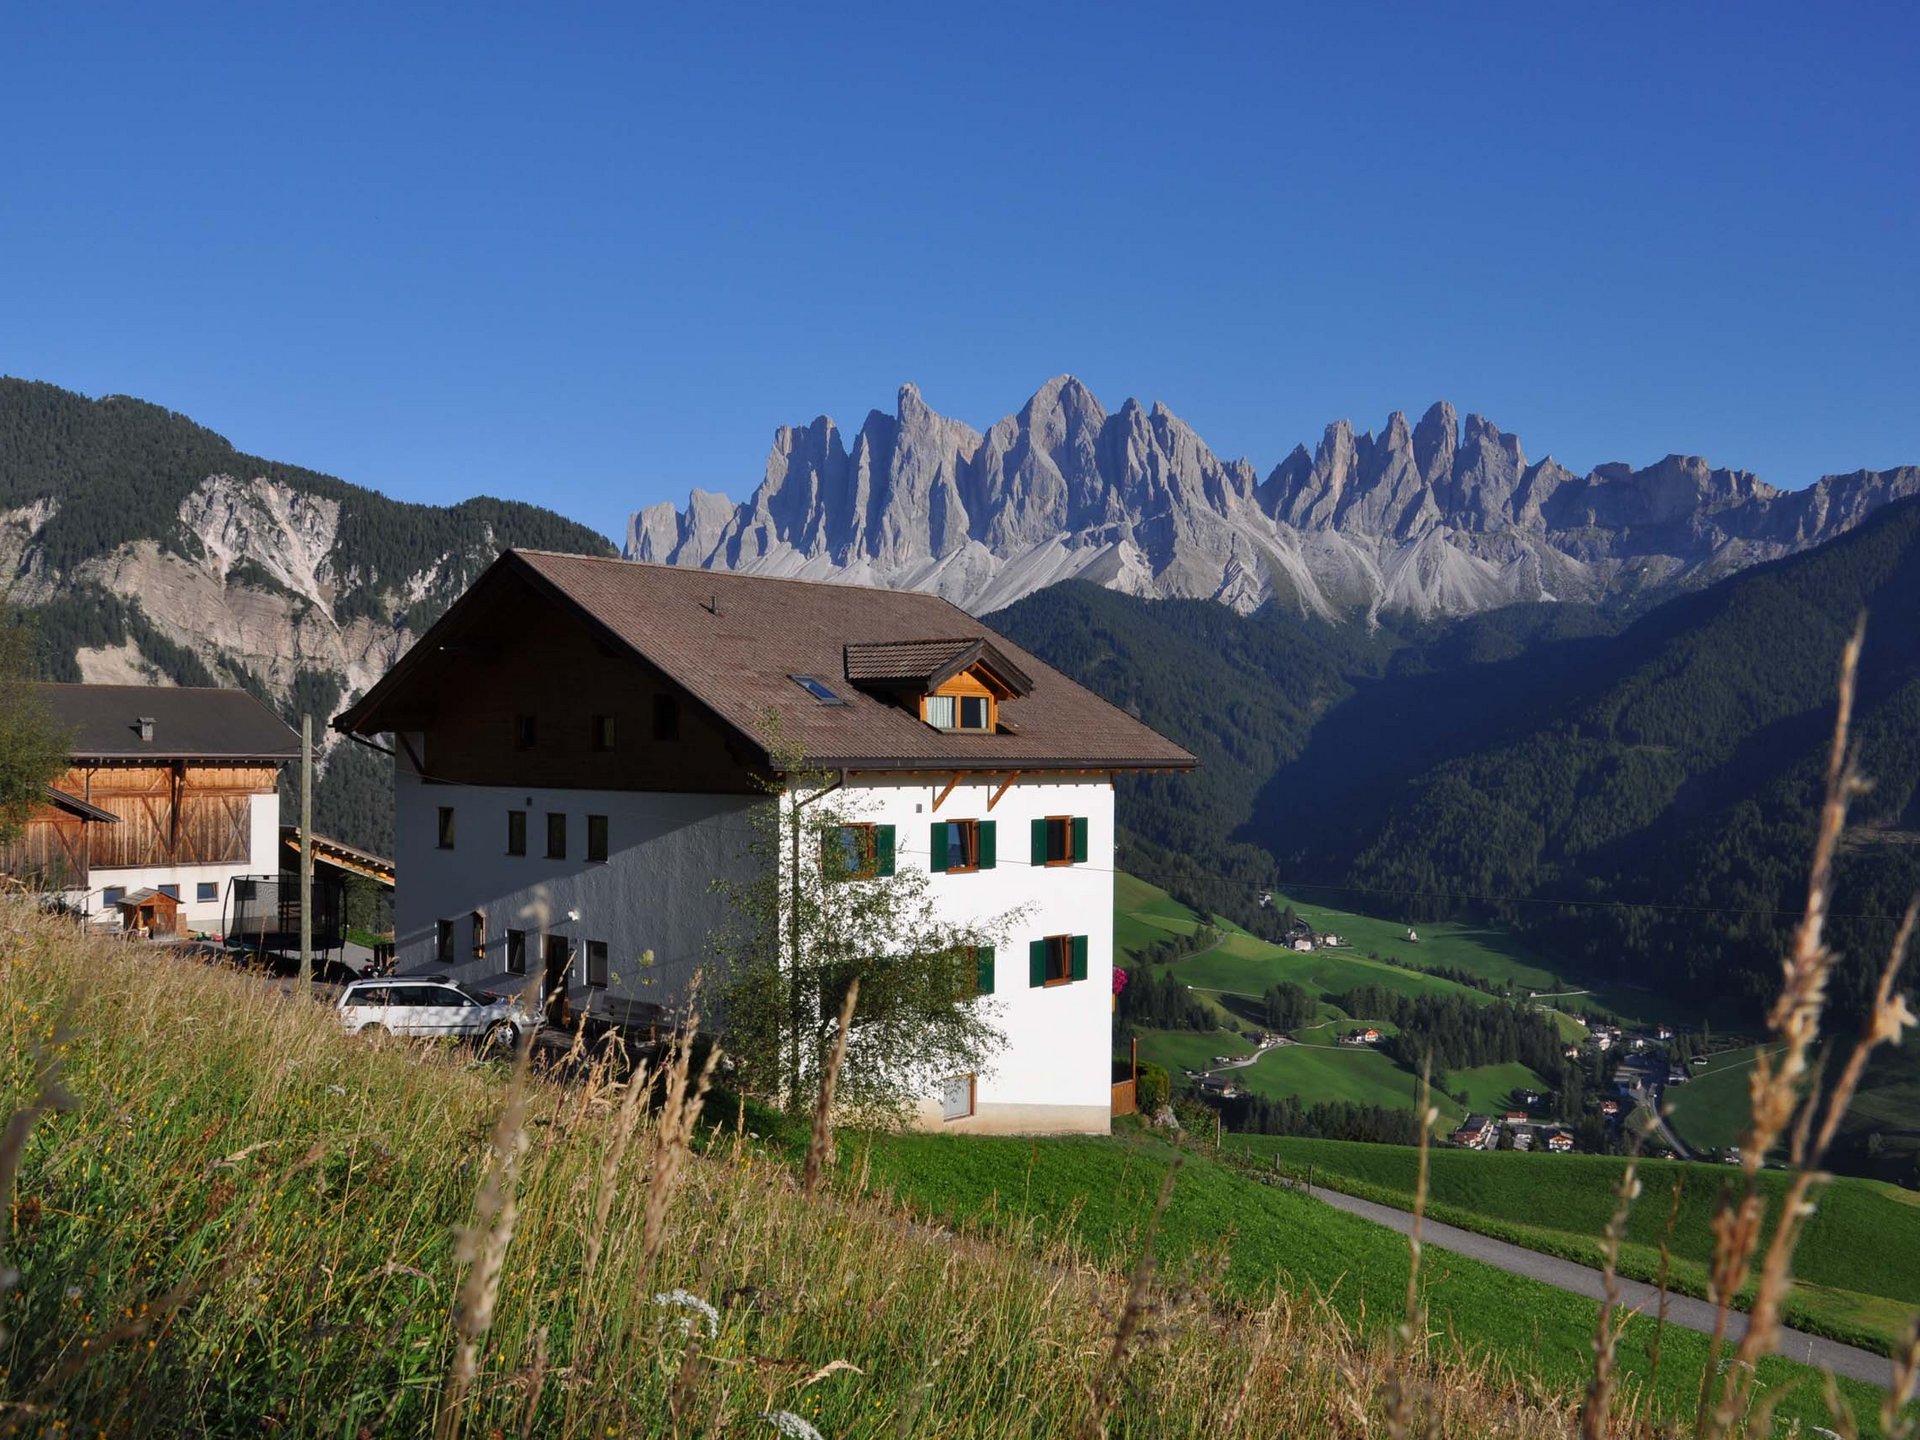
(736, 642)
(188, 724)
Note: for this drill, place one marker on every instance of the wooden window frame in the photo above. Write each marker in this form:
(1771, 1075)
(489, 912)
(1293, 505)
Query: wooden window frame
(561, 852)
(869, 865)
(968, 827)
(1058, 947)
(526, 731)
(601, 733)
(1065, 822)
(594, 952)
(605, 847)
(516, 952)
(519, 848)
(444, 827)
(477, 924)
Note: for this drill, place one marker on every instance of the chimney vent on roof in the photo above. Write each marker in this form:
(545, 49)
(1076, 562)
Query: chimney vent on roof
(145, 724)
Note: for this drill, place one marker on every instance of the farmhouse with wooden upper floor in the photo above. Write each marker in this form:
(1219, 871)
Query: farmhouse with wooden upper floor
(169, 794)
(578, 743)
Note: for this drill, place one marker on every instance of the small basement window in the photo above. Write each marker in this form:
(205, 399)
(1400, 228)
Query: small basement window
(206, 890)
(817, 688)
(957, 1095)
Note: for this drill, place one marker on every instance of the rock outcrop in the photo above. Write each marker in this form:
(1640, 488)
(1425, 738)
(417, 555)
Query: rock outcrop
(1442, 517)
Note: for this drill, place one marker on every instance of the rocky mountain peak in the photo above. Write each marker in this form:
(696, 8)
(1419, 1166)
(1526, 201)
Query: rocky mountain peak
(1442, 517)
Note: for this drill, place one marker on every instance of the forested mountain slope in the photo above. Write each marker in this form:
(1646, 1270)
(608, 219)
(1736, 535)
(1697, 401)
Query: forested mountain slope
(1662, 778)
(151, 550)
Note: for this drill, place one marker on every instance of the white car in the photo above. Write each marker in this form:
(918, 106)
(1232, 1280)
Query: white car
(429, 1005)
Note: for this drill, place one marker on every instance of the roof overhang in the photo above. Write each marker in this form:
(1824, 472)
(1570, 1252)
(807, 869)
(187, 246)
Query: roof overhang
(74, 805)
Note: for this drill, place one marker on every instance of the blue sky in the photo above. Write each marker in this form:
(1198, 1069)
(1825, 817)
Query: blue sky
(591, 257)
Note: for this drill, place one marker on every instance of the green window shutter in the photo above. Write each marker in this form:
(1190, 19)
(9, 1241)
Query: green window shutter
(883, 849)
(939, 846)
(1036, 964)
(1079, 957)
(1039, 842)
(1080, 840)
(988, 847)
(983, 969)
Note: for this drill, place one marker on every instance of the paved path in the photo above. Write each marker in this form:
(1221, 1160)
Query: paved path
(1845, 1360)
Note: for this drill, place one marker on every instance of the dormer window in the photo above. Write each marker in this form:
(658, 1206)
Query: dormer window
(958, 712)
(954, 685)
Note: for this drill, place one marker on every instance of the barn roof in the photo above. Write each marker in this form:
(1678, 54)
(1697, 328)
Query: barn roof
(189, 723)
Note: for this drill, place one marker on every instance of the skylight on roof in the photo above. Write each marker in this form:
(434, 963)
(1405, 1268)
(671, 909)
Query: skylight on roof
(817, 688)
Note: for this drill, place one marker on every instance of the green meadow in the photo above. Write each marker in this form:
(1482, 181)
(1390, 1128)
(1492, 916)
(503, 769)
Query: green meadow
(1248, 1237)
(1858, 1265)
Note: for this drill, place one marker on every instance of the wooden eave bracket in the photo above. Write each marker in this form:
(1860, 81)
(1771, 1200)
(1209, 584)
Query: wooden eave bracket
(1005, 786)
(941, 798)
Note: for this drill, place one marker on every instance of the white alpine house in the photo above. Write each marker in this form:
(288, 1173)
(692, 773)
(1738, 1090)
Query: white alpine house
(578, 742)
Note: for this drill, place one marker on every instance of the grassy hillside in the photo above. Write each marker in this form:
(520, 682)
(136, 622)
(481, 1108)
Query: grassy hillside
(1232, 975)
(1636, 803)
(1859, 1262)
(242, 1222)
(1226, 1229)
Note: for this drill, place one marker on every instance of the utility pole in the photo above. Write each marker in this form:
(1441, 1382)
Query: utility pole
(306, 852)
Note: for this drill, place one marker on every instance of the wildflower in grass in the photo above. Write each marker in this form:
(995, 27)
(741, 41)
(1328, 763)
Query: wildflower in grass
(687, 1300)
(791, 1425)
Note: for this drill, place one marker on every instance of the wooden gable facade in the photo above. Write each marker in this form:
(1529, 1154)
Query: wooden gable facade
(521, 690)
(177, 812)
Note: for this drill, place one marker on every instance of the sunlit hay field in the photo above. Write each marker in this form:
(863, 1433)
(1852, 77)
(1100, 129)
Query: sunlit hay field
(242, 1222)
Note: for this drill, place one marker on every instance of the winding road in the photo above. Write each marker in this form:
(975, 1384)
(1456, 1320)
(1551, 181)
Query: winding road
(1849, 1361)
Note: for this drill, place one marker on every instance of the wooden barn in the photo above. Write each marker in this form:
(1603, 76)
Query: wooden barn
(169, 790)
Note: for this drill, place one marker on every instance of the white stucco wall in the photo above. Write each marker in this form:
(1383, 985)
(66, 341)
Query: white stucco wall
(1055, 1073)
(263, 858)
(654, 891)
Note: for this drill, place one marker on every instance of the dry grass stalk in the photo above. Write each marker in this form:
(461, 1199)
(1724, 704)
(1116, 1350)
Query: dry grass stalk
(1784, 1099)
(1606, 1332)
(680, 1106)
(820, 1147)
(1906, 1376)
(1133, 1313)
(1399, 1388)
(483, 1245)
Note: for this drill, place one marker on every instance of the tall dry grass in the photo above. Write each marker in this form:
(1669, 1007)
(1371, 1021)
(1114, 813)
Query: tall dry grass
(247, 1223)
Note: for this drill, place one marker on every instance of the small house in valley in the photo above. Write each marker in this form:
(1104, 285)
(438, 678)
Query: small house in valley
(169, 794)
(578, 743)
(1560, 1142)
